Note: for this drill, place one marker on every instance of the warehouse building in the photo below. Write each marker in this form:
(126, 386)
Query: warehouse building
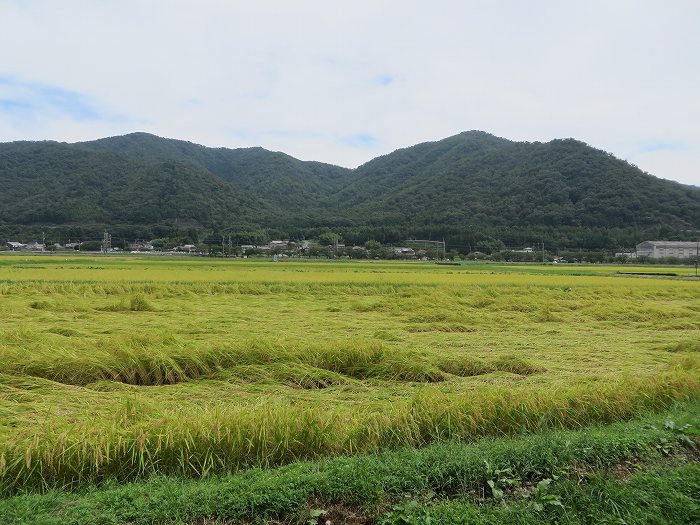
(658, 249)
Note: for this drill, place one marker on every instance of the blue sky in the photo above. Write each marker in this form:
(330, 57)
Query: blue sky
(23, 101)
(345, 81)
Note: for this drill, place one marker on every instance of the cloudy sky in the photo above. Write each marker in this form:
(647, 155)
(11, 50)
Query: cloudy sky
(344, 81)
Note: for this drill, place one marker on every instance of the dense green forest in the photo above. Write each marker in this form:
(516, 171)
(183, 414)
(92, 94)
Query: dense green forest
(475, 190)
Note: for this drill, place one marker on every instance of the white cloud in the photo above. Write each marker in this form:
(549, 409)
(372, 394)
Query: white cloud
(344, 81)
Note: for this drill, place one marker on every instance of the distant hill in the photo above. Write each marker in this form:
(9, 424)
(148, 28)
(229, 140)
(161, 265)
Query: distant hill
(49, 183)
(470, 188)
(476, 178)
(275, 178)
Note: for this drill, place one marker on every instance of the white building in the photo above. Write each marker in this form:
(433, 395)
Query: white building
(658, 249)
(35, 247)
(141, 246)
(404, 252)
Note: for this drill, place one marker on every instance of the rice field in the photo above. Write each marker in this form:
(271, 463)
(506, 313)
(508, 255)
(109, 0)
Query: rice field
(124, 367)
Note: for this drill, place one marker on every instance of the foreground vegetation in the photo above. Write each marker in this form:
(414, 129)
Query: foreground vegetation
(598, 475)
(115, 370)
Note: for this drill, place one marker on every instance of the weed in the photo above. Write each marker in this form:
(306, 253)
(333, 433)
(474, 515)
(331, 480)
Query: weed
(498, 481)
(542, 498)
(316, 516)
(410, 511)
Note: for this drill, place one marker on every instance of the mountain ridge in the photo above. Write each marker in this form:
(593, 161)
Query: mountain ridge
(468, 186)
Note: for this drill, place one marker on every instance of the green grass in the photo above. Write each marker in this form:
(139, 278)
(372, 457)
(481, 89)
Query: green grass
(661, 496)
(124, 368)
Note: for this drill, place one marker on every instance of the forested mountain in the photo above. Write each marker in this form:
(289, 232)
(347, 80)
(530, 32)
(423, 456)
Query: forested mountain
(51, 184)
(560, 183)
(273, 177)
(471, 188)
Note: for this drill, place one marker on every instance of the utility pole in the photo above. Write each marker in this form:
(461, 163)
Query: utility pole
(697, 255)
(542, 251)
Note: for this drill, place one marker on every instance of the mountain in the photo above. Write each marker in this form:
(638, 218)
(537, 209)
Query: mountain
(276, 178)
(50, 183)
(476, 176)
(470, 188)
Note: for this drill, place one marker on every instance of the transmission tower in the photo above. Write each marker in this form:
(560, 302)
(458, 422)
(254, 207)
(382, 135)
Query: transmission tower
(106, 242)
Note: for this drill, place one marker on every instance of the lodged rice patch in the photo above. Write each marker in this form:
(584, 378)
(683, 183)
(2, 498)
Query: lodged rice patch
(125, 367)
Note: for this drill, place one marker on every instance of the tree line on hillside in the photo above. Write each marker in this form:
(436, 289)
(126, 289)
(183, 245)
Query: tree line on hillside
(478, 192)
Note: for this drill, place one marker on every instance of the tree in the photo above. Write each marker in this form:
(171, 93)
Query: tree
(315, 250)
(91, 246)
(329, 239)
(490, 245)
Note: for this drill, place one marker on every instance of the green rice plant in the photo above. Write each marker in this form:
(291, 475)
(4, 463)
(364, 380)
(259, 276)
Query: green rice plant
(546, 315)
(684, 346)
(464, 365)
(296, 375)
(359, 359)
(40, 305)
(409, 367)
(121, 306)
(64, 331)
(441, 327)
(165, 360)
(138, 303)
(224, 438)
(515, 365)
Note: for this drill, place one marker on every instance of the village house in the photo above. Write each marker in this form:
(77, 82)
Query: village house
(29, 247)
(404, 252)
(141, 247)
(189, 248)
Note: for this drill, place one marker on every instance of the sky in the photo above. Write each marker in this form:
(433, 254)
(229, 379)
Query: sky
(345, 81)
